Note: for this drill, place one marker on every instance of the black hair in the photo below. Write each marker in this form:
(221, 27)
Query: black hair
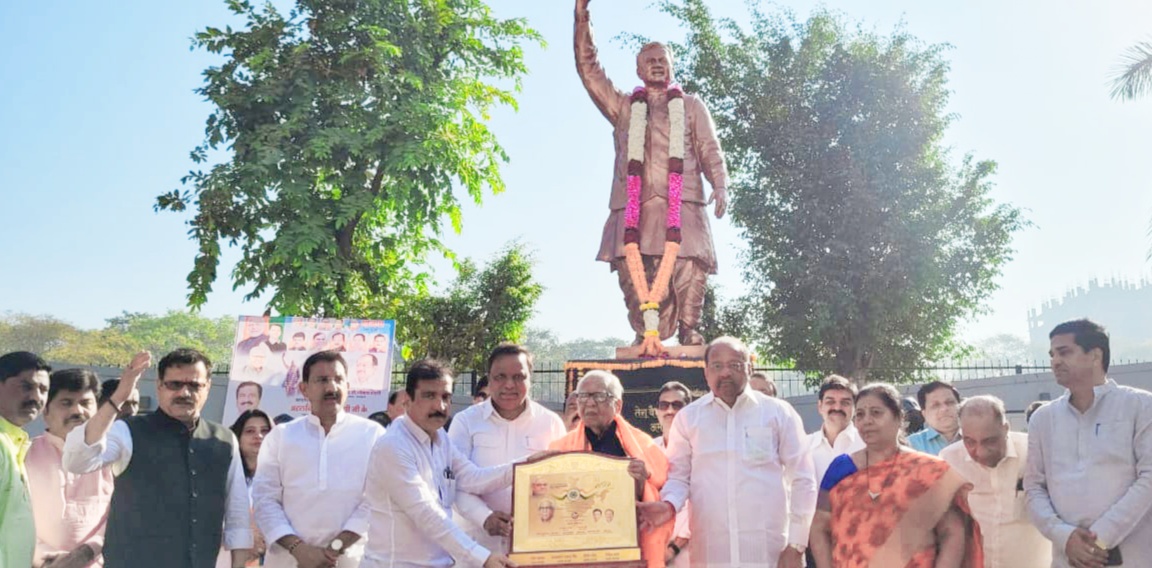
(480, 385)
(887, 394)
(17, 362)
(259, 387)
(325, 356)
(675, 386)
(299, 334)
(1088, 335)
(107, 388)
(929, 388)
(381, 418)
(283, 419)
(238, 429)
(425, 370)
(836, 382)
(182, 357)
(508, 348)
(73, 380)
(392, 396)
(1032, 408)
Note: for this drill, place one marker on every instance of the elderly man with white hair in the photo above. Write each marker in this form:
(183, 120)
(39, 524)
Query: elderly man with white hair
(601, 429)
(742, 458)
(993, 459)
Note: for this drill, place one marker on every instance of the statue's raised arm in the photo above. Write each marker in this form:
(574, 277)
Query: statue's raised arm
(607, 98)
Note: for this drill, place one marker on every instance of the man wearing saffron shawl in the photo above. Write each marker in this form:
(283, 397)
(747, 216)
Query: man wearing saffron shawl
(700, 156)
(890, 506)
(603, 430)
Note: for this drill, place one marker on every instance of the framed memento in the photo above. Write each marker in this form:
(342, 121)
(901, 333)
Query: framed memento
(575, 509)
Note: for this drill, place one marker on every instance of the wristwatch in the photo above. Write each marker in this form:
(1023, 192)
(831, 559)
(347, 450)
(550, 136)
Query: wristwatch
(336, 545)
(798, 548)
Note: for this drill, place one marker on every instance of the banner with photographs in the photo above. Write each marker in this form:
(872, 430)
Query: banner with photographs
(268, 363)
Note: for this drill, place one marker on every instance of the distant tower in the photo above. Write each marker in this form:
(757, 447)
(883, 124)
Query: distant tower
(1123, 307)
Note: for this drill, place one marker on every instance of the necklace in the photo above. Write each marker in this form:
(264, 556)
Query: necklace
(874, 495)
(650, 297)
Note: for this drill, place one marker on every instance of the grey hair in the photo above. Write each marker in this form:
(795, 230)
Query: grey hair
(736, 344)
(611, 383)
(985, 405)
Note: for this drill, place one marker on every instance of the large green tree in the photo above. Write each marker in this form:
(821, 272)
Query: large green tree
(867, 245)
(481, 308)
(350, 129)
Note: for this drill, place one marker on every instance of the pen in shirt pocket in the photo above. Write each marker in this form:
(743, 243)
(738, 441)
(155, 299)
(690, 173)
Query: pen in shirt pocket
(1097, 429)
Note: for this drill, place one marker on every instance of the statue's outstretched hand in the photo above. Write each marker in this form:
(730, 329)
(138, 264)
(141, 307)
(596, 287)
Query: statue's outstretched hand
(720, 196)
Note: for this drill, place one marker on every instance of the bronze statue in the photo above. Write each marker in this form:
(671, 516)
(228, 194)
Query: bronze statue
(678, 147)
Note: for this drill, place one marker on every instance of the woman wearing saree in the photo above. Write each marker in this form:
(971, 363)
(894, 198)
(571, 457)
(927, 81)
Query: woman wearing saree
(889, 506)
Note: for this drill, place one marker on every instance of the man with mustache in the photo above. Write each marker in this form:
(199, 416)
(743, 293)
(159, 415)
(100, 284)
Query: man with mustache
(70, 510)
(836, 403)
(503, 427)
(742, 458)
(940, 402)
(179, 488)
(308, 493)
(23, 391)
(416, 474)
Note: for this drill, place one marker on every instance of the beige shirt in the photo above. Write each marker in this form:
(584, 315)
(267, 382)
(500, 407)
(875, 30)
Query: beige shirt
(999, 505)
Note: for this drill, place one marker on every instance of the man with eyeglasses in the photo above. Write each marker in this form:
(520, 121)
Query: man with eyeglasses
(603, 430)
(742, 459)
(673, 397)
(505, 427)
(308, 492)
(169, 505)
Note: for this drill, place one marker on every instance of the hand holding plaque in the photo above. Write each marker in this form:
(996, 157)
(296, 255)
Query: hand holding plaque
(576, 509)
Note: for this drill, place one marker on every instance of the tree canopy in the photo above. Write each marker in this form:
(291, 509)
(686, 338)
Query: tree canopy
(867, 245)
(480, 309)
(351, 129)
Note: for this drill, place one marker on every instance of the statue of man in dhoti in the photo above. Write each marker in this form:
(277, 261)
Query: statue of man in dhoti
(665, 144)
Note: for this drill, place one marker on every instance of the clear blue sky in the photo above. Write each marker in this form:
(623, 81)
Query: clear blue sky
(98, 116)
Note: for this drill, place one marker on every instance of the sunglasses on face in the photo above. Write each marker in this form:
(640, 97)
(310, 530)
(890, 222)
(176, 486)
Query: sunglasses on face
(177, 386)
(665, 405)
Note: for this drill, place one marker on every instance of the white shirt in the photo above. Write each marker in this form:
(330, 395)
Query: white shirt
(681, 528)
(1010, 539)
(411, 490)
(311, 485)
(739, 464)
(487, 439)
(847, 441)
(1093, 470)
(115, 450)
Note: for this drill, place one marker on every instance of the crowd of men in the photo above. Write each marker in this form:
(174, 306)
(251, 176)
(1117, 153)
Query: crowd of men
(733, 481)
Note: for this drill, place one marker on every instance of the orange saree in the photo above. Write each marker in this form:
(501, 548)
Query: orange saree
(884, 516)
(637, 445)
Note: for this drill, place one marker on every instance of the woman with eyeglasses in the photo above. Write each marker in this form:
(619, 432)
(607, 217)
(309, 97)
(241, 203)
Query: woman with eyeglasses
(673, 397)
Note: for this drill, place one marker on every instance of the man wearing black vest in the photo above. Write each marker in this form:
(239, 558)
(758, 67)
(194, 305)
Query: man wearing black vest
(180, 486)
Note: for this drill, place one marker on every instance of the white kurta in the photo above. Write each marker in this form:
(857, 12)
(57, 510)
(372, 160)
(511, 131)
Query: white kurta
(311, 485)
(749, 474)
(998, 504)
(484, 437)
(1094, 470)
(411, 491)
(847, 441)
